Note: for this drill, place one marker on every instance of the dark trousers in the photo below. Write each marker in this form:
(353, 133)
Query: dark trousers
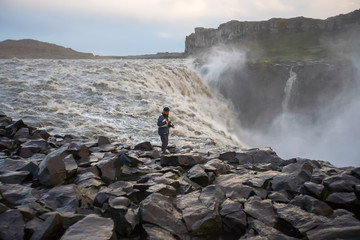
(165, 141)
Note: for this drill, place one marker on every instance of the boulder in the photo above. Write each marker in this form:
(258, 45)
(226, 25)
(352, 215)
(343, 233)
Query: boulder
(280, 196)
(70, 166)
(341, 227)
(22, 134)
(102, 141)
(200, 219)
(144, 146)
(154, 232)
(269, 233)
(163, 189)
(229, 156)
(233, 217)
(125, 219)
(345, 200)
(356, 172)
(293, 177)
(61, 198)
(52, 169)
(159, 210)
(108, 170)
(13, 177)
(217, 166)
(262, 210)
(198, 175)
(184, 160)
(7, 144)
(31, 147)
(312, 205)
(91, 227)
(314, 189)
(16, 194)
(51, 228)
(14, 127)
(341, 183)
(88, 179)
(259, 156)
(231, 185)
(11, 225)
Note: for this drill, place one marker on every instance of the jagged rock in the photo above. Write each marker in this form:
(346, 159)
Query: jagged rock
(151, 154)
(88, 179)
(32, 226)
(293, 177)
(259, 156)
(346, 200)
(231, 185)
(199, 218)
(51, 228)
(312, 205)
(91, 227)
(154, 232)
(280, 196)
(11, 225)
(262, 210)
(356, 172)
(16, 194)
(159, 210)
(61, 198)
(13, 177)
(3, 208)
(229, 156)
(145, 146)
(341, 183)
(185, 160)
(299, 219)
(233, 217)
(314, 189)
(217, 166)
(125, 219)
(108, 170)
(70, 166)
(102, 141)
(341, 227)
(198, 175)
(52, 169)
(31, 147)
(269, 233)
(129, 160)
(8, 164)
(163, 189)
(13, 128)
(22, 133)
(7, 144)
(69, 218)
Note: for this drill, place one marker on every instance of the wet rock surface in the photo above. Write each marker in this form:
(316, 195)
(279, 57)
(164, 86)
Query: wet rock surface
(68, 187)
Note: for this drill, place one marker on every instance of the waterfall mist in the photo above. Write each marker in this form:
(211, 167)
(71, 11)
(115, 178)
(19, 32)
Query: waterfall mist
(296, 115)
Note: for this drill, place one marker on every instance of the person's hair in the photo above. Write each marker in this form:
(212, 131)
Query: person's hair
(166, 109)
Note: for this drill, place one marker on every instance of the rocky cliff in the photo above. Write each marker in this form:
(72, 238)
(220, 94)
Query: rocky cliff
(69, 187)
(307, 31)
(28, 48)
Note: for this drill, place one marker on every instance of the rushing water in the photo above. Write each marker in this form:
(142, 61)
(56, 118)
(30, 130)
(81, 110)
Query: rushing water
(289, 90)
(121, 99)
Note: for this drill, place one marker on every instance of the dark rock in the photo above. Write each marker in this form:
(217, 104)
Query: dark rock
(266, 232)
(280, 196)
(22, 133)
(7, 144)
(199, 219)
(31, 147)
(32, 226)
(198, 175)
(13, 177)
(50, 229)
(312, 205)
(262, 210)
(185, 160)
(229, 156)
(15, 194)
(88, 179)
(341, 227)
(8, 164)
(129, 160)
(32, 168)
(61, 198)
(341, 183)
(159, 210)
(52, 169)
(217, 166)
(145, 146)
(299, 219)
(13, 128)
(69, 218)
(293, 177)
(230, 184)
(2, 132)
(108, 169)
(314, 189)
(356, 172)
(345, 200)
(11, 225)
(151, 154)
(259, 156)
(70, 166)
(154, 232)
(91, 227)
(125, 219)
(163, 189)
(27, 212)
(3, 208)
(102, 141)
(233, 217)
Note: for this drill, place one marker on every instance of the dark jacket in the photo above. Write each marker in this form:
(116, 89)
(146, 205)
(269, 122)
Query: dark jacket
(163, 127)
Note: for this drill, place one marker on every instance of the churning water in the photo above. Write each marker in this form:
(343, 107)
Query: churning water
(121, 99)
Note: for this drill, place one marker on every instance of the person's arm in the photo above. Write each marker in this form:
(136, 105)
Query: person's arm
(162, 122)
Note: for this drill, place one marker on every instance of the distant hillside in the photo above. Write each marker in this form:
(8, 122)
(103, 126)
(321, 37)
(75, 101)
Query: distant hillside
(28, 48)
(297, 38)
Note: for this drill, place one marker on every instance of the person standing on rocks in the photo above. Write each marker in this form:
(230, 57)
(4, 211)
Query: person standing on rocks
(164, 125)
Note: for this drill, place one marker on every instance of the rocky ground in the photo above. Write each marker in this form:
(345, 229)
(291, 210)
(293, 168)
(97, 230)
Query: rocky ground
(67, 187)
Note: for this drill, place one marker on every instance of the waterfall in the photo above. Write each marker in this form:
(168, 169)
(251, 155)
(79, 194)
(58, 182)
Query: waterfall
(289, 90)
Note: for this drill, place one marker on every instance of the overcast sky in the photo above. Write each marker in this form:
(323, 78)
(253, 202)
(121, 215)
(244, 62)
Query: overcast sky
(128, 27)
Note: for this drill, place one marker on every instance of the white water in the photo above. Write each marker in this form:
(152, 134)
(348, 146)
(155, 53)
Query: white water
(289, 90)
(121, 99)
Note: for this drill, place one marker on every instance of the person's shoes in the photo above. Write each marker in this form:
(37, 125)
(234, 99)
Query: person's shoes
(165, 152)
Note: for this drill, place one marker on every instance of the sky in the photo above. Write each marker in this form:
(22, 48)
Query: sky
(133, 27)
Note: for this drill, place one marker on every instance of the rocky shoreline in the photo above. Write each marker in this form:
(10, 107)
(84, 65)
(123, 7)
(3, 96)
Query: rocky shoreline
(68, 187)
